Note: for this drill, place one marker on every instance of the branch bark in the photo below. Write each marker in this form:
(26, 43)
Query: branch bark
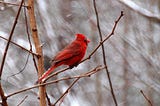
(3, 97)
(87, 74)
(38, 47)
(103, 50)
(147, 99)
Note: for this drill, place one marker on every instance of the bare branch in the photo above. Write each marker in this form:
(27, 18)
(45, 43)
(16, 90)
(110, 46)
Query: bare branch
(87, 74)
(55, 73)
(48, 99)
(29, 39)
(20, 46)
(62, 99)
(38, 47)
(71, 85)
(4, 99)
(9, 40)
(103, 51)
(21, 69)
(22, 100)
(148, 100)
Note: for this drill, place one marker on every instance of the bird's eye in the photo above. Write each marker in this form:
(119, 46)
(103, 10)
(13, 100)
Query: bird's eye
(85, 40)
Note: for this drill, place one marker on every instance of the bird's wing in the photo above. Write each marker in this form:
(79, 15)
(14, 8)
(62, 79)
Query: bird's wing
(67, 53)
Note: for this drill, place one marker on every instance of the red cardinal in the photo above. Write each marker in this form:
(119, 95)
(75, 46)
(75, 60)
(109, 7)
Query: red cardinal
(71, 55)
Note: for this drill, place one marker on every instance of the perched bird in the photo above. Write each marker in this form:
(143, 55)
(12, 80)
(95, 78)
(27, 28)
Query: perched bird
(71, 55)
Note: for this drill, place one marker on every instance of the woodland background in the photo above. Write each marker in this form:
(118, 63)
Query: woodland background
(132, 53)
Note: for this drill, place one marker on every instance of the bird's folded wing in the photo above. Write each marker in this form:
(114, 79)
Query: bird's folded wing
(65, 55)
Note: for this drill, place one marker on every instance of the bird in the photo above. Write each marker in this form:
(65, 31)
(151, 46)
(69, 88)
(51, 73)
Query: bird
(71, 55)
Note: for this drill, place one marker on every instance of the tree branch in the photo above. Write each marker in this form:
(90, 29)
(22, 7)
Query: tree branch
(28, 35)
(103, 51)
(19, 46)
(38, 47)
(71, 85)
(22, 100)
(87, 74)
(4, 99)
(148, 100)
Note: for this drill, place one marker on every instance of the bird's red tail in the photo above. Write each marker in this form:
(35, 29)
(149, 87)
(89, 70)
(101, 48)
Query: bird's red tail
(46, 73)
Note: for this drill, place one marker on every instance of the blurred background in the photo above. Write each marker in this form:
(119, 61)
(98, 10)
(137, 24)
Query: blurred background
(132, 53)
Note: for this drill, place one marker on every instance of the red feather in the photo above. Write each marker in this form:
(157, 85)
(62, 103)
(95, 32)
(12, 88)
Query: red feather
(71, 55)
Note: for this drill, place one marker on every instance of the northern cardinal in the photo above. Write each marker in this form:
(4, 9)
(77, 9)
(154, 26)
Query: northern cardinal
(71, 55)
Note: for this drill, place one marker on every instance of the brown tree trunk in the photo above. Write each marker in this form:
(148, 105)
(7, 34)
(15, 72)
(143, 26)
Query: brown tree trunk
(38, 47)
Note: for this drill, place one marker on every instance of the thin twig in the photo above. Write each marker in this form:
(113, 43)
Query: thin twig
(87, 74)
(10, 37)
(29, 39)
(4, 102)
(55, 73)
(19, 46)
(22, 100)
(71, 85)
(62, 99)
(3, 97)
(21, 69)
(48, 99)
(147, 99)
(106, 38)
(103, 51)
